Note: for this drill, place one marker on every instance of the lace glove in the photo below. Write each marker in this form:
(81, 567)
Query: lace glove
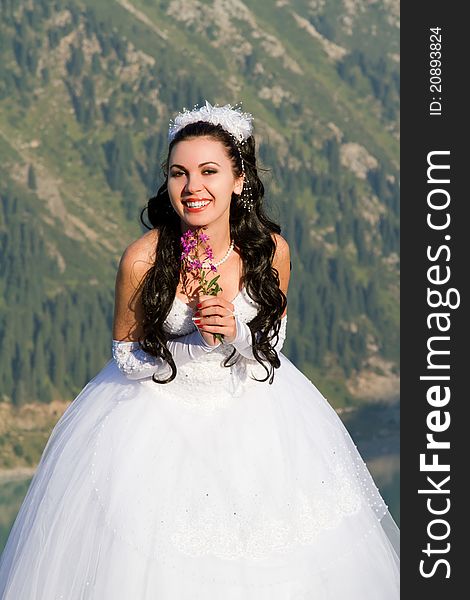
(242, 341)
(135, 363)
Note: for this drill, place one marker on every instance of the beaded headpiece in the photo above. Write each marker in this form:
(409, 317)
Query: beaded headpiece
(235, 122)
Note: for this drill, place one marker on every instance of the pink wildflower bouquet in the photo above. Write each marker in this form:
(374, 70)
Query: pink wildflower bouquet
(191, 261)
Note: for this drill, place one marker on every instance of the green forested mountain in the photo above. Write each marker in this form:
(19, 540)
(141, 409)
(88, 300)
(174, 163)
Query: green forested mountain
(86, 92)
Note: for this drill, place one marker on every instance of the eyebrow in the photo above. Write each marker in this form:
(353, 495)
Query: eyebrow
(209, 162)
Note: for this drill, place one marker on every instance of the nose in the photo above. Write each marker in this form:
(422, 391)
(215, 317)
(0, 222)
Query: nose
(194, 184)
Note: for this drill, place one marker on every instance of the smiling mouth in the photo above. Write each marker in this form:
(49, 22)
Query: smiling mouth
(196, 203)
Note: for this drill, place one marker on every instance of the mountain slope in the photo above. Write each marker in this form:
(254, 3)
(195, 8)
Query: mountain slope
(86, 92)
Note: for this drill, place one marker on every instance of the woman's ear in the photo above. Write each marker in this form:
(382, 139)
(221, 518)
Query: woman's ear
(238, 187)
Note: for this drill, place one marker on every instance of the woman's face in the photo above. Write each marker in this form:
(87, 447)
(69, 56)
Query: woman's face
(200, 170)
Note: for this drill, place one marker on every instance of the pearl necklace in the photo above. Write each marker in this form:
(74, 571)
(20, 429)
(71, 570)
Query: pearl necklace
(227, 254)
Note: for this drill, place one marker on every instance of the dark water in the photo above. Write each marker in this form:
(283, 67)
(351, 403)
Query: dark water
(375, 430)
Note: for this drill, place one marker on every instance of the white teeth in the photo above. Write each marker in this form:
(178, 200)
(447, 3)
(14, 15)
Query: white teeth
(197, 204)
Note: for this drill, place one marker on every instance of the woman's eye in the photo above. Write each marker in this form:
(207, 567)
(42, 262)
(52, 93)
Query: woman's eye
(179, 173)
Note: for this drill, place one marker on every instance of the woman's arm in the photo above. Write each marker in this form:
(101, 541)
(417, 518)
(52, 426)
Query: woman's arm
(282, 264)
(133, 266)
(242, 342)
(134, 362)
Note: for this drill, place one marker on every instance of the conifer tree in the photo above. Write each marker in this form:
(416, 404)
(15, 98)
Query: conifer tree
(32, 178)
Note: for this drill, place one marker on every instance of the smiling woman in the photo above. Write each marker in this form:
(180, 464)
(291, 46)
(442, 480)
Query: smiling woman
(179, 471)
(209, 163)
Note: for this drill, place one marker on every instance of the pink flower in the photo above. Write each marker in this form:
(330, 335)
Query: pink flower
(190, 262)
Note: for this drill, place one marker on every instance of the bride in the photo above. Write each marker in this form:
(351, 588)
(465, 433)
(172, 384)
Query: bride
(200, 463)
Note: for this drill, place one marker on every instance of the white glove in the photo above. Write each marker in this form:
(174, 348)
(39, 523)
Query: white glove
(135, 363)
(242, 341)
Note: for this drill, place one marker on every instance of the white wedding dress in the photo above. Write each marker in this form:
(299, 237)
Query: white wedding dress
(211, 487)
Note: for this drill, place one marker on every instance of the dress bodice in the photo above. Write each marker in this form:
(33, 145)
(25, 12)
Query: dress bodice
(205, 384)
(179, 320)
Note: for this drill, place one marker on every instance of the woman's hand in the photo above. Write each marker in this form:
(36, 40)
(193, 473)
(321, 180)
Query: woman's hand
(215, 315)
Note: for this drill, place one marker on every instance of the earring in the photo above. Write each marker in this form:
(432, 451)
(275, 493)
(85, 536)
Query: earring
(246, 196)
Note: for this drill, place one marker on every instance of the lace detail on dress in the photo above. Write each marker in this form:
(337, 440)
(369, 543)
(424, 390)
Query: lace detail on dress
(245, 529)
(131, 358)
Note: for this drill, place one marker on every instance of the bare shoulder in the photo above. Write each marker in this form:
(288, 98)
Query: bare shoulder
(136, 260)
(282, 248)
(139, 256)
(282, 262)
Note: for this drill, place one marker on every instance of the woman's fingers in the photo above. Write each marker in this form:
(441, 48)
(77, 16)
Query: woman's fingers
(215, 301)
(215, 315)
(227, 329)
(216, 307)
(213, 319)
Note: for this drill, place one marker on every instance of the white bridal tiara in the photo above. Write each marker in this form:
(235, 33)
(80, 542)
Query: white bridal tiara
(231, 118)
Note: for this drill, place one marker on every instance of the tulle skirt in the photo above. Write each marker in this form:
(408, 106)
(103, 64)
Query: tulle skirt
(164, 492)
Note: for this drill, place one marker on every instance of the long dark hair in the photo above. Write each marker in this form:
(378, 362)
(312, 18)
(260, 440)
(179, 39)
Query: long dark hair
(251, 232)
